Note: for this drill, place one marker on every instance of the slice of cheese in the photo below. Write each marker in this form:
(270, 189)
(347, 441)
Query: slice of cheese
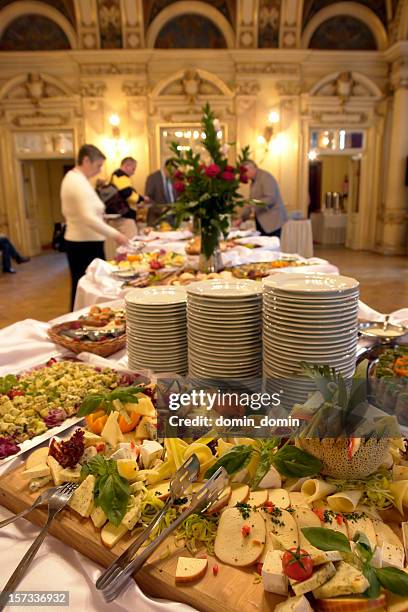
(91, 439)
(110, 534)
(39, 456)
(150, 450)
(279, 498)
(239, 494)
(317, 579)
(56, 470)
(362, 525)
(38, 471)
(392, 556)
(190, 569)
(298, 499)
(111, 432)
(71, 474)
(346, 581)
(258, 498)
(305, 517)
(271, 480)
(232, 544)
(325, 556)
(133, 513)
(294, 604)
(385, 535)
(273, 578)
(144, 406)
(98, 517)
(82, 501)
(330, 522)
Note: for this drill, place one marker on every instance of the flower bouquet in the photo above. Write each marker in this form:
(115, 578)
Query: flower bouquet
(208, 192)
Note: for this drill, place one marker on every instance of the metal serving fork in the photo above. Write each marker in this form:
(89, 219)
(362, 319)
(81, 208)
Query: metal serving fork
(39, 501)
(56, 502)
(199, 502)
(185, 475)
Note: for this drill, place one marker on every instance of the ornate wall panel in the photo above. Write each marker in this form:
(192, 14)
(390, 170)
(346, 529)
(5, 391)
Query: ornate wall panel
(66, 7)
(343, 32)
(269, 20)
(110, 24)
(192, 32)
(33, 33)
(311, 7)
(153, 7)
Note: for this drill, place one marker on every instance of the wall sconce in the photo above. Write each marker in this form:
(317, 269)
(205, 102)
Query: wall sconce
(312, 155)
(268, 132)
(114, 121)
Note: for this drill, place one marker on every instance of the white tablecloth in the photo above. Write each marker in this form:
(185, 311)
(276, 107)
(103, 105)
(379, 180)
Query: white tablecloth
(329, 228)
(297, 237)
(57, 566)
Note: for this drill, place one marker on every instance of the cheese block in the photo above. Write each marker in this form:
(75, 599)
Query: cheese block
(305, 517)
(325, 556)
(294, 604)
(392, 556)
(273, 579)
(298, 499)
(38, 471)
(346, 581)
(231, 546)
(91, 439)
(190, 569)
(71, 474)
(110, 534)
(82, 500)
(150, 451)
(142, 430)
(282, 528)
(144, 406)
(98, 517)
(271, 480)
(239, 494)
(385, 535)
(317, 579)
(111, 432)
(133, 513)
(161, 490)
(56, 470)
(279, 498)
(361, 524)
(38, 456)
(258, 498)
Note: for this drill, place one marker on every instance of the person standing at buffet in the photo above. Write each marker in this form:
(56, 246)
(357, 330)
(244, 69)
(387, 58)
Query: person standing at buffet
(159, 188)
(128, 194)
(270, 217)
(83, 211)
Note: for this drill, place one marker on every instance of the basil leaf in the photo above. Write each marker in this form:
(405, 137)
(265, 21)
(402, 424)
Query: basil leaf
(374, 589)
(90, 404)
(326, 539)
(233, 461)
(394, 580)
(126, 394)
(265, 461)
(113, 497)
(292, 461)
(363, 546)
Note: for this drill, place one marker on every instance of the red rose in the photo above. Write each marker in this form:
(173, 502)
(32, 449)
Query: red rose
(179, 186)
(178, 174)
(212, 170)
(229, 168)
(227, 176)
(243, 178)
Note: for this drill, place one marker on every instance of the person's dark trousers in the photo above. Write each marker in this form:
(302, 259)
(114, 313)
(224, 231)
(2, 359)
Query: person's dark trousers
(80, 255)
(276, 232)
(9, 253)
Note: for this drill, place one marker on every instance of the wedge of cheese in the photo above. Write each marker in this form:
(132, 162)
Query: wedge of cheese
(82, 501)
(325, 556)
(38, 456)
(294, 604)
(71, 474)
(110, 534)
(258, 498)
(298, 499)
(385, 535)
(305, 517)
(143, 407)
(239, 494)
(190, 569)
(56, 470)
(98, 517)
(38, 471)
(273, 579)
(271, 480)
(392, 556)
(91, 439)
(133, 513)
(362, 524)
(111, 432)
(317, 579)
(347, 580)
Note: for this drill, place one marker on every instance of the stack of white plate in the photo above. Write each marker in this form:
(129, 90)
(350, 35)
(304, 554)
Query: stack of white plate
(224, 329)
(157, 329)
(311, 318)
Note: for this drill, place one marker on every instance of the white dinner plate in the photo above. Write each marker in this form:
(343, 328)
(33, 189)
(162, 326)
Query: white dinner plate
(310, 283)
(156, 295)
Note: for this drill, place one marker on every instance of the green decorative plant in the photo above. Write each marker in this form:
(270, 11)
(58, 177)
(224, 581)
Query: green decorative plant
(208, 192)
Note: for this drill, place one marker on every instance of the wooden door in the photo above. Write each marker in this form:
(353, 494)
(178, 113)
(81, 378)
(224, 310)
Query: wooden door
(31, 206)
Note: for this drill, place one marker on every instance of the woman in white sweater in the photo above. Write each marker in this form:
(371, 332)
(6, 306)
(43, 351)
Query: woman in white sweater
(86, 230)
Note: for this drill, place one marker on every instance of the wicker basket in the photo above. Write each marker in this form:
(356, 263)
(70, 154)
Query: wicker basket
(103, 348)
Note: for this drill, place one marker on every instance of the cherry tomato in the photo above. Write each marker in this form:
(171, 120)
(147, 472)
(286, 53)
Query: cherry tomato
(15, 393)
(297, 564)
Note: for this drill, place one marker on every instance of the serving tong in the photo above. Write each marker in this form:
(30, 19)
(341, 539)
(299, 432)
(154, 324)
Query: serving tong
(115, 578)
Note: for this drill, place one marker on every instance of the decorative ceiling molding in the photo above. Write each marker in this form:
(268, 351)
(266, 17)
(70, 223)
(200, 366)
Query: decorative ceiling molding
(34, 86)
(95, 69)
(267, 68)
(191, 7)
(31, 7)
(93, 89)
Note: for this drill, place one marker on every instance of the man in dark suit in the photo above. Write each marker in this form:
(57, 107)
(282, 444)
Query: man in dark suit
(270, 216)
(159, 189)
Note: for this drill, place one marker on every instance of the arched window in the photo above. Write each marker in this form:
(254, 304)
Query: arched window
(343, 32)
(190, 32)
(33, 33)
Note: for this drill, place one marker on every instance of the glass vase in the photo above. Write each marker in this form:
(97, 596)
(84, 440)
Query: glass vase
(210, 259)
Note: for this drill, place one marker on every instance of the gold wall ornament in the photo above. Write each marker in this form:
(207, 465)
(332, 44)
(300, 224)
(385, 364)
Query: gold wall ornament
(247, 88)
(94, 69)
(92, 89)
(267, 68)
(135, 88)
(288, 88)
(35, 87)
(191, 82)
(344, 86)
(39, 119)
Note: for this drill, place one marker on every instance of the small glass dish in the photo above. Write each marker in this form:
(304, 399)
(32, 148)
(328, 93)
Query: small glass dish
(382, 331)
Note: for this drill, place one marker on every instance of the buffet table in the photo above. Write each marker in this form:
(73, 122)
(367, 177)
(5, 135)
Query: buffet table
(329, 228)
(26, 344)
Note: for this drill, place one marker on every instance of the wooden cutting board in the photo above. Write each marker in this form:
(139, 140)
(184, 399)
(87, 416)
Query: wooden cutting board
(232, 590)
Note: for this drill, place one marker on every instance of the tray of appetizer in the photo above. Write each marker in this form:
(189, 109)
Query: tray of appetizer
(41, 402)
(101, 331)
(310, 524)
(135, 264)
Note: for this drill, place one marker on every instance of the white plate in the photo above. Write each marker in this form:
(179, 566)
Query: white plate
(156, 295)
(312, 298)
(225, 289)
(311, 283)
(220, 343)
(310, 312)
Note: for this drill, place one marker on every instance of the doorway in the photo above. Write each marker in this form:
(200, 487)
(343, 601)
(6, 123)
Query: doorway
(41, 189)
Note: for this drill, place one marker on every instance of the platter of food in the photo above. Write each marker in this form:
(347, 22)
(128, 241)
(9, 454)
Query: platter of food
(37, 404)
(287, 531)
(134, 264)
